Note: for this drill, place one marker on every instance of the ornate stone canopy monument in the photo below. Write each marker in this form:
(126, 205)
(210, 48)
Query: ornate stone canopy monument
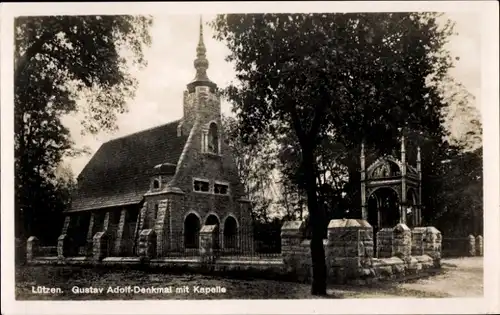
(391, 190)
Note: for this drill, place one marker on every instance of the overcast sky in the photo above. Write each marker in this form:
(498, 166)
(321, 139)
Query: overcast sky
(170, 67)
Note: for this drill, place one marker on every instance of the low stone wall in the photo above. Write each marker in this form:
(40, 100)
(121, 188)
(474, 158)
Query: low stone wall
(349, 253)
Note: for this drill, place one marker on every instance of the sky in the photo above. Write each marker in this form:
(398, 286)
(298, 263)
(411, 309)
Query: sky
(170, 67)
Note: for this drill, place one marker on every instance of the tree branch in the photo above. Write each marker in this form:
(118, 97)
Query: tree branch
(30, 53)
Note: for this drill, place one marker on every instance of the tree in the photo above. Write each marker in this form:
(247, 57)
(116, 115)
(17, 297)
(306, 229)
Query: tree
(59, 60)
(358, 77)
(255, 163)
(459, 202)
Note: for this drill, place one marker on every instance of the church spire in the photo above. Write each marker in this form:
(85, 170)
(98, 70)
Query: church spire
(201, 63)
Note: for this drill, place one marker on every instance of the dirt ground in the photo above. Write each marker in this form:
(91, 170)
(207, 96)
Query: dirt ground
(462, 277)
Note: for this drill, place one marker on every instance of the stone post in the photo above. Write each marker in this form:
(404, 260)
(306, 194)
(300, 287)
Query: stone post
(90, 235)
(207, 243)
(120, 230)
(471, 245)
(417, 241)
(64, 240)
(162, 215)
(401, 242)
(384, 243)
(432, 244)
(295, 250)
(32, 248)
(479, 245)
(64, 246)
(100, 245)
(349, 249)
(147, 244)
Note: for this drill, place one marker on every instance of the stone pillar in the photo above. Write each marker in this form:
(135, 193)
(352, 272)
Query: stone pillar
(32, 248)
(159, 227)
(417, 241)
(349, 249)
(207, 243)
(401, 242)
(120, 230)
(471, 245)
(384, 243)
(364, 208)
(404, 201)
(479, 245)
(90, 235)
(432, 244)
(100, 245)
(147, 244)
(64, 242)
(295, 250)
(141, 219)
(245, 211)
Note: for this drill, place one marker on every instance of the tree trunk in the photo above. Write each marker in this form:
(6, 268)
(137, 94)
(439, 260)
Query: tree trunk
(318, 227)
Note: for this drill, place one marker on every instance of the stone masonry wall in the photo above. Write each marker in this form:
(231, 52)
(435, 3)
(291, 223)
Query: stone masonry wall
(162, 224)
(401, 243)
(349, 249)
(349, 252)
(120, 232)
(147, 244)
(295, 250)
(65, 246)
(195, 164)
(418, 234)
(384, 243)
(207, 244)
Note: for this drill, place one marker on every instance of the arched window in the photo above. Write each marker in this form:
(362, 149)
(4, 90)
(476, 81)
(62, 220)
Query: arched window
(191, 231)
(230, 233)
(213, 139)
(156, 183)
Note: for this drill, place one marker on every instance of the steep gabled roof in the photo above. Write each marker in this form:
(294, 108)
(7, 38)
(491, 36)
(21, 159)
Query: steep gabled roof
(119, 172)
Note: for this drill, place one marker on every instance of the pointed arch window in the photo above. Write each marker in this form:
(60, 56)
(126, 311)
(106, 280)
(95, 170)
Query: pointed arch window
(213, 139)
(156, 183)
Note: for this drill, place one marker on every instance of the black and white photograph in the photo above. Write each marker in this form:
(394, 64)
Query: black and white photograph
(314, 153)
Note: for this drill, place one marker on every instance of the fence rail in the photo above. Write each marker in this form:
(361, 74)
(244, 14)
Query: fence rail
(455, 246)
(243, 243)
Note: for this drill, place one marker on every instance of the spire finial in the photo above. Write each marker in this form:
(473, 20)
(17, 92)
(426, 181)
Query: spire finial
(201, 62)
(200, 40)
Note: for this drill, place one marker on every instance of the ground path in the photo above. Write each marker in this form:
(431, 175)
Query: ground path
(461, 277)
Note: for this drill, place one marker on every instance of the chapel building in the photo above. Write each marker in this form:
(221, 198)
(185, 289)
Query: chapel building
(172, 179)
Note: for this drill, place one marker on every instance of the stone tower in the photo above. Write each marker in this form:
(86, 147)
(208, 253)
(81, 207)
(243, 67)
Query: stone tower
(202, 103)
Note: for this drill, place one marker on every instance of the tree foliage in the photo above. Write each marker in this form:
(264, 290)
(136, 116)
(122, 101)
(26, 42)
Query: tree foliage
(255, 163)
(59, 61)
